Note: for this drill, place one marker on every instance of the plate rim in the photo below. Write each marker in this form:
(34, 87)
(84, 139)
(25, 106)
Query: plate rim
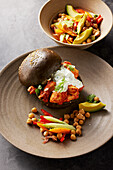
(25, 54)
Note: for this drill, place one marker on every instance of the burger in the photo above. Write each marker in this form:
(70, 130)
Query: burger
(55, 82)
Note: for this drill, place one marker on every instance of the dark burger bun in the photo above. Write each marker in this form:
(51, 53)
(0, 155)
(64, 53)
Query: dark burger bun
(38, 66)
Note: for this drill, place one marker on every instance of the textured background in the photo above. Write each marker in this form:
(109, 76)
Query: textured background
(20, 33)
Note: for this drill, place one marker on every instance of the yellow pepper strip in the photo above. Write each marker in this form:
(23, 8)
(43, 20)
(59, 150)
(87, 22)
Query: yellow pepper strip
(60, 130)
(89, 14)
(69, 17)
(66, 30)
(58, 31)
(69, 42)
(41, 126)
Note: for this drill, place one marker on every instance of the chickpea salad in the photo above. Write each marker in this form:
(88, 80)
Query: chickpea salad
(70, 126)
(76, 26)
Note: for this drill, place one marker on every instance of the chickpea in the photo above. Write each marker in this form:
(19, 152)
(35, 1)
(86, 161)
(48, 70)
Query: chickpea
(54, 138)
(59, 19)
(54, 20)
(62, 17)
(31, 115)
(66, 116)
(59, 14)
(89, 40)
(87, 23)
(78, 131)
(42, 130)
(87, 114)
(73, 132)
(65, 19)
(79, 127)
(72, 116)
(94, 31)
(84, 28)
(66, 121)
(81, 122)
(82, 111)
(64, 26)
(96, 99)
(80, 116)
(34, 110)
(75, 112)
(97, 34)
(63, 14)
(95, 25)
(84, 42)
(83, 118)
(76, 119)
(34, 119)
(52, 25)
(75, 123)
(59, 135)
(29, 121)
(46, 133)
(73, 137)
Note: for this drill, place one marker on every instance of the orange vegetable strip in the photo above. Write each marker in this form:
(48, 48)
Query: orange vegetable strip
(60, 130)
(41, 126)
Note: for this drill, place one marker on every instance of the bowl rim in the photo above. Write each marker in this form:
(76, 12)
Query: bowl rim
(74, 45)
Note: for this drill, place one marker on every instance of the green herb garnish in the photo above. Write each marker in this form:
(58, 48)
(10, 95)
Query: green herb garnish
(60, 86)
(90, 98)
(71, 67)
(38, 90)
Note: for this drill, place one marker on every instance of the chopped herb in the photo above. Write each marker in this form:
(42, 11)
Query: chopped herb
(60, 86)
(90, 98)
(38, 90)
(71, 67)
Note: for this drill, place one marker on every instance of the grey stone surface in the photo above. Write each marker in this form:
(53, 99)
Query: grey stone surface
(20, 33)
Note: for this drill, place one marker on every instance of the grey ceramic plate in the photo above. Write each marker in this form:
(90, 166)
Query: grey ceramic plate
(15, 104)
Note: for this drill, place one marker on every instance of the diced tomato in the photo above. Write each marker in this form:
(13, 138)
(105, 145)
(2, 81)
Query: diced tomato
(80, 11)
(65, 63)
(99, 20)
(88, 18)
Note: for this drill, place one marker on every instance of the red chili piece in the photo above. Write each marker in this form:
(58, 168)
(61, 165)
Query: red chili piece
(63, 138)
(60, 118)
(88, 18)
(99, 19)
(44, 120)
(34, 123)
(46, 113)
